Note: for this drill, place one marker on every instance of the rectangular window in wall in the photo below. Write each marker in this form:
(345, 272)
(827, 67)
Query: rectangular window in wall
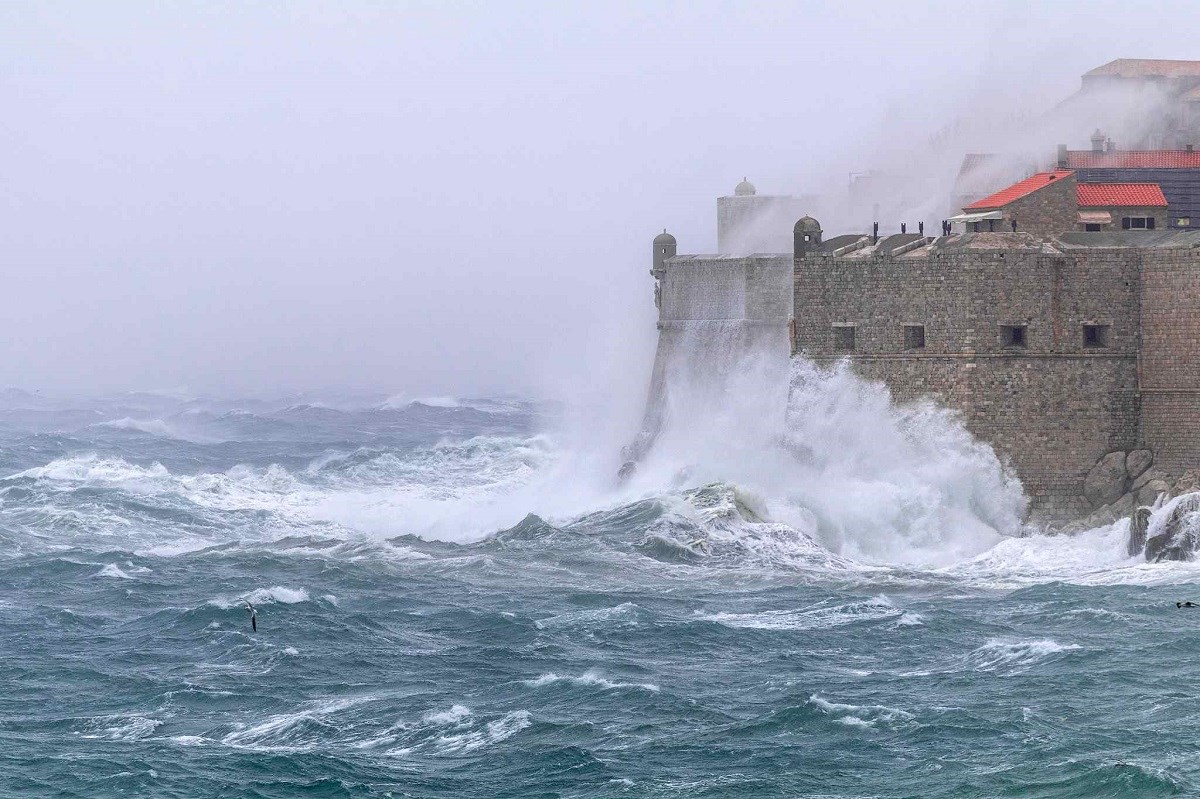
(843, 338)
(1184, 221)
(1091, 228)
(1013, 336)
(1095, 336)
(1137, 223)
(914, 337)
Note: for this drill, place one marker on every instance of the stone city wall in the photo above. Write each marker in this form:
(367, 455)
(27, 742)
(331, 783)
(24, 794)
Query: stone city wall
(1170, 357)
(1052, 406)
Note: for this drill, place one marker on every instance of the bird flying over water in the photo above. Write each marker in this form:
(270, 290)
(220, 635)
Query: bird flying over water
(253, 615)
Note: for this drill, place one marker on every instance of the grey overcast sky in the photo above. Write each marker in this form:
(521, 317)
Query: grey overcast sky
(436, 198)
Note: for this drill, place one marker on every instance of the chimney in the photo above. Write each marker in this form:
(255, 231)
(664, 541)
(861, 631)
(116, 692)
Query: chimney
(1109, 146)
(1191, 148)
(1062, 156)
(1097, 141)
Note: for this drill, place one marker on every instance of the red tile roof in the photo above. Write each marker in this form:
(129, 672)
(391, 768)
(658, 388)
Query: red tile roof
(1104, 195)
(1147, 67)
(1133, 159)
(1018, 190)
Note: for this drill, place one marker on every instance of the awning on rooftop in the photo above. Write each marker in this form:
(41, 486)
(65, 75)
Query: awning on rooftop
(1095, 217)
(978, 216)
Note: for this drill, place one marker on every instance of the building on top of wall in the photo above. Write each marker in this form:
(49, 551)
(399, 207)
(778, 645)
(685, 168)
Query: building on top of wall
(1042, 204)
(1054, 202)
(1176, 172)
(749, 222)
(1128, 206)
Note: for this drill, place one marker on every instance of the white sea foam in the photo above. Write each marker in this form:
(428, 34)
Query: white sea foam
(290, 731)
(491, 733)
(263, 596)
(1092, 557)
(281, 594)
(122, 728)
(623, 615)
(589, 679)
(1012, 656)
(454, 715)
(456, 730)
(95, 470)
(113, 570)
(819, 617)
(860, 715)
(189, 740)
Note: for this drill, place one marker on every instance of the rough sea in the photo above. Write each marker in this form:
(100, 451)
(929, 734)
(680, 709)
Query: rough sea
(455, 598)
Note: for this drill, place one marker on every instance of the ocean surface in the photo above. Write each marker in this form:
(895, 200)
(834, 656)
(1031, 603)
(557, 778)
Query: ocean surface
(455, 599)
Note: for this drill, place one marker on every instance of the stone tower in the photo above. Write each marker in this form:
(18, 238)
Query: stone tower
(749, 222)
(806, 236)
(663, 248)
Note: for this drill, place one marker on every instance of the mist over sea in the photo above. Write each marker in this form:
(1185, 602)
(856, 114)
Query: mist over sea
(455, 598)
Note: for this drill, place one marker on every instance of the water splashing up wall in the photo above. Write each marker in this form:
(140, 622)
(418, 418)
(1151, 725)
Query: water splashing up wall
(821, 449)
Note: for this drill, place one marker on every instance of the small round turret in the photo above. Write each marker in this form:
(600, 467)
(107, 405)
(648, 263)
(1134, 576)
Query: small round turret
(805, 236)
(745, 189)
(663, 248)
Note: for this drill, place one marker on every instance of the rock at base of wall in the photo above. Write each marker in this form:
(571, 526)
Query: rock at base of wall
(1105, 482)
(1175, 535)
(1103, 516)
(1137, 462)
(1188, 482)
(1151, 474)
(1138, 527)
(1149, 493)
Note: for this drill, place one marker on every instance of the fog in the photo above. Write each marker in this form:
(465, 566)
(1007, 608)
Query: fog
(453, 198)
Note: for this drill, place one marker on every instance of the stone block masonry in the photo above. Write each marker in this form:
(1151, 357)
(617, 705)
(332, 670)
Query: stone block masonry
(1049, 210)
(1035, 345)
(1170, 357)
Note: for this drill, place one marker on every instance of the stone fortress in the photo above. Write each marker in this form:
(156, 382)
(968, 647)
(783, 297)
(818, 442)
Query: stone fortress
(1059, 315)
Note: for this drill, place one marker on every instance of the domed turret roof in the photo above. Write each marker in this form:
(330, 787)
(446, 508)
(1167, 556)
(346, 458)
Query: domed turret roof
(663, 239)
(807, 223)
(744, 189)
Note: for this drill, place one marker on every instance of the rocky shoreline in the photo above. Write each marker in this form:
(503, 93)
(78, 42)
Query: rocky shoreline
(1163, 510)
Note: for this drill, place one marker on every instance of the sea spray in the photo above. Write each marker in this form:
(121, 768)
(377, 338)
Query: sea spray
(826, 451)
